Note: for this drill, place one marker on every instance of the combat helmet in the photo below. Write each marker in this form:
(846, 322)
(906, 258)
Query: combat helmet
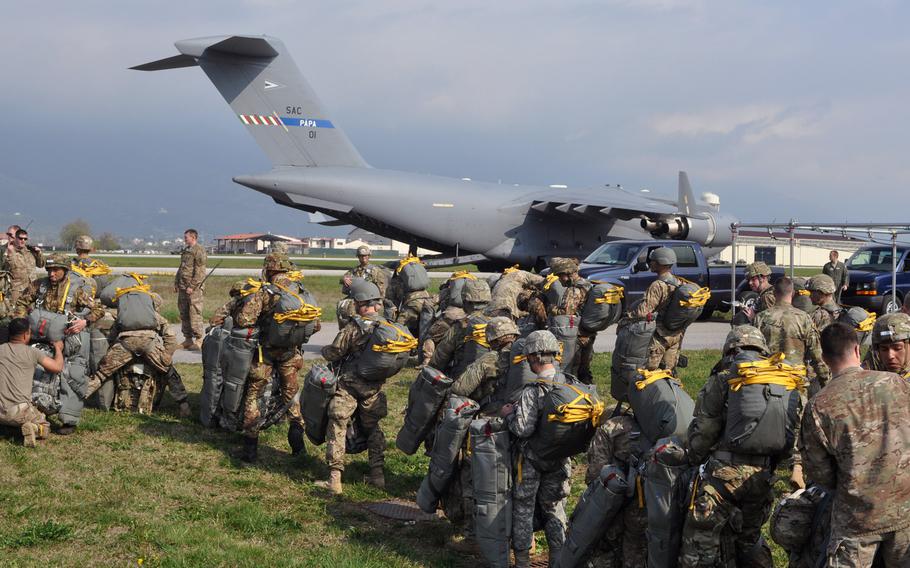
(476, 292)
(277, 262)
(663, 256)
(541, 341)
(891, 328)
(500, 327)
(744, 336)
(363, 250)
(57, 260)
(364, 291)
(560, 265)
(757, 268)
(84, 242)
(821, 283)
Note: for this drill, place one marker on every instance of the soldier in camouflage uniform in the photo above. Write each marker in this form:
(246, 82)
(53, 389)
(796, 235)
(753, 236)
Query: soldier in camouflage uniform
(854, 442)
(354, 394)
(408, 303)
(437, 331)
(890, 345)
(758, 276)
(539, 484)
(821, 292)
(21, 261)
(514, 287)
(188, 285)
(86, 266)
(369, 272)
(449, 356)
(571, 303)
(479, 381)
(734, 490)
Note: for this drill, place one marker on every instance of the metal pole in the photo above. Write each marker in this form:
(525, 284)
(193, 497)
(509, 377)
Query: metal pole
(792, 230)
(733, 275)
(894, 269)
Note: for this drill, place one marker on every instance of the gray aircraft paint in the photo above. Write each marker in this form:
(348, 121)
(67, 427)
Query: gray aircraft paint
(318, 170)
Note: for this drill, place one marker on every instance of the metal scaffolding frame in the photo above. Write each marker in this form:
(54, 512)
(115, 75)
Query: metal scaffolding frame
(867, 230)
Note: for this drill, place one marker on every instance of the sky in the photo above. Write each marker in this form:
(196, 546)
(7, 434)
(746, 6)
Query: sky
(784, 109)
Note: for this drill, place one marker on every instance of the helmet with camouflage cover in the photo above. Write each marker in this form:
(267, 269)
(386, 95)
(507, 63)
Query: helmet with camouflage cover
(745, 336)
(57, 260)
(891, 328)
(363, 250)
(663, 256)
(476, 292)
(757, 268)
(559, 265)
(84, 242)
(500, 327)
(280, 247)
(277, 262)
(821, 283)
(364, 291)
(541, 341)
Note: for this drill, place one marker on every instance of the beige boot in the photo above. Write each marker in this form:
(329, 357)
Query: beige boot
(333, 484)
(30, 434)
(796, 478)
(376, 477)
(94, 383)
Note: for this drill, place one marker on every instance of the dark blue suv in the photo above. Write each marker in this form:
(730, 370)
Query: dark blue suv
(870, 279)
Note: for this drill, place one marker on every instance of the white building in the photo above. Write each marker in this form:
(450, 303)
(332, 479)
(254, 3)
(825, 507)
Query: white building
(809, 249)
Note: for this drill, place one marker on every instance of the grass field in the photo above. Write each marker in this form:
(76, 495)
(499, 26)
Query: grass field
(129, 490)
(304, 262)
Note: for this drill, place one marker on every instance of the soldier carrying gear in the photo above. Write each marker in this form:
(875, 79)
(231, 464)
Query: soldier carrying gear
(465, 341)
(408, 292)
(821, 293)
(364, 269)
(479, 380)
(20, 261)
(758, 276)
(92, 270)
(743, 427)
(890, 345)
(513, 287)
(564, 318)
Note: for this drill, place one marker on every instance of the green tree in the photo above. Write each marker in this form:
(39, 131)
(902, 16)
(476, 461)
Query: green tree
(71, 231)
(107, 241)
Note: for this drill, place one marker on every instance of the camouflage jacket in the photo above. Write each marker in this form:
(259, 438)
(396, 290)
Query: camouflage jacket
(21, 264)
(766, 300)
(507, 290)
(573, 299)
(443, 322)
(853, 440)
(825, 315)
(478, 381)
(247, 308)
(523, 420)
(191, 272)
(447, 349)
(60, 297)
(791, 332)
(371, 273)
(655, 299)
(611, 445)
(871, 362)
(351, 338)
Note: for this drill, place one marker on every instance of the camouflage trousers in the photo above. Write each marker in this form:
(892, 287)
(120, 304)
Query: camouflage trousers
(546, 491)
(663, 350)
(288, 362)
(28, 418)
(190, 306)
(584, 355)
(892, 549)
(151, 350)
(723, 525)
(367, 399)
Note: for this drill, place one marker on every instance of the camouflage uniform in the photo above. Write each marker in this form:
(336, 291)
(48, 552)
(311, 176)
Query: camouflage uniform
(790, 331)
(766, 300)
(190, 274)
(409, 304)
(479, 380)
(506, 292)
(21, 264)
(854, 442)
(663, 350)
(624, 541)
(888, 329)
(449, 351)
(437, 331)
(354, 395)
(571, 303)
(371, 273)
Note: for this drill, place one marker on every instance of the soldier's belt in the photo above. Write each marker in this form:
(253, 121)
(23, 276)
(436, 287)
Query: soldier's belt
(741, 459)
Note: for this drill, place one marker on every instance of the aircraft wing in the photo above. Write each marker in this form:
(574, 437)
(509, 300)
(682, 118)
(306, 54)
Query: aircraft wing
(599, 202)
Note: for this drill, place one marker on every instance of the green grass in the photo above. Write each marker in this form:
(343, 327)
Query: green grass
(304, 262)
(128, 487)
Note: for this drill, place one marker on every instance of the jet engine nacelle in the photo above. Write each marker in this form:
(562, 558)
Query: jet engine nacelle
(707, 229)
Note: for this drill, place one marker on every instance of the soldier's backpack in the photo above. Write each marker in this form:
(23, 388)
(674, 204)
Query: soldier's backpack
(763, 405)
(386, 351)
(47, 327)
(319, 387)
(629, 354)
(425, 397)
(473, 346)
(568, 419)
(108, 294)
(667, 478)
(237, 355)
(82, 281)
(519, 375)
(662, 408)
(294, 318)
(491, 468)
(565, 328)
(212, 379)
(457, 415)
(452, 292)
(603, 307)
(686, 303)
(553, 290)
(132, 297)
(801, 525)
(413, 275)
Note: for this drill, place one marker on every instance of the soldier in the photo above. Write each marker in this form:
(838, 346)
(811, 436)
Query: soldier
(890, 345)
(839, 274)
(188, 285)
(821, 292)
(7, 246)
(542, 484)
(367, 271)
(571, 303)
(758, 276)
(354, 394)
(854, 442)
(733, 481)
(409, 302)
(22, 261)
(56, 293)
(86, 266)
(514, 287)
(479, 380)
(437, 331)
(459, 346)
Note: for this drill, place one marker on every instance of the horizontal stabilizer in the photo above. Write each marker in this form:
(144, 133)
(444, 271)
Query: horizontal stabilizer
(175, 62)
(325, 220)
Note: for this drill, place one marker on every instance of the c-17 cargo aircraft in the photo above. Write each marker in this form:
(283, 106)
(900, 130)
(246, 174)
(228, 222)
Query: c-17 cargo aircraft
(318, 170)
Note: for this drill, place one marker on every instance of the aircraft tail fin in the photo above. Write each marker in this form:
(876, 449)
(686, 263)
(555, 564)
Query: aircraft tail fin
(271, 97)
(687, 203)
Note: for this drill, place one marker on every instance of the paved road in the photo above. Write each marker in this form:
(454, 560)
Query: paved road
(256, 271)
(701, 335)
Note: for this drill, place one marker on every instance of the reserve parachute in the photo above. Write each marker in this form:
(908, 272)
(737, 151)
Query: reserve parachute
(685, 306)
(662, 408)
(294, 317)
(569, 418)
(602, 308)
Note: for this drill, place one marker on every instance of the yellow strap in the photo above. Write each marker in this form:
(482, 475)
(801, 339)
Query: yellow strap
(520, 470)
(518, 359)
(406, 261)
(479, 335)
(467, 449)
(92, 269)
(582, 408)
(551, 278)
(867, 324)
(259, 349)
(66, 292)
(611, 296)
(305, 313)
(698, 299)
(770, 371)
(252, 286)
(140, 286)
(640, 492)
(694, 491)
(462, 274)
(651, 377)
(78, 270)
(511, 269)
(295, 275)
(403, 343)
(803, 292)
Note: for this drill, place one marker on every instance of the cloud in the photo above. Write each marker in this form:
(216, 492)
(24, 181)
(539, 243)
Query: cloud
(751, 123)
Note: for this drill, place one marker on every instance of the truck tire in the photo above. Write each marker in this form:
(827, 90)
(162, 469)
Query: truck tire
(889, 305)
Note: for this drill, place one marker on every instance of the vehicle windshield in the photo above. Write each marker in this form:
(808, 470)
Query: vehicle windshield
(875, 259)
(614, 254)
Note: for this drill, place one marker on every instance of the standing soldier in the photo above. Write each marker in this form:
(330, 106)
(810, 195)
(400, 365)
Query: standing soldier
(890, 345)
(758, 277)
(86, 266)
(571, 303)
(188, 285)
(369, 272)
(821, 292)
(7, 246)
(854, 444)
(465, 341)
(839, 274)
(22, 260)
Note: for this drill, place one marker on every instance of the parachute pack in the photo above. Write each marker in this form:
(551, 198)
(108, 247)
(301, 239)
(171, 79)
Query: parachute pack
(602, 308)
(686, 303)
(565, 328)
(319, 387)
(491, 468)
(425, 397)
(212, 379)
(629, 354)
(474, 345)
(519, 374)
(667, 478)
(452, 292)
(386, 351)
(569, 418)
(61, 393)
(553, 290)
(48, 323)
(132, 297)
(413, 274)
(294, 318)
(662, 408)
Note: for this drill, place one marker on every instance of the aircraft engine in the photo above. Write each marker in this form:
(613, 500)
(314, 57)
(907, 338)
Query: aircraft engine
(707, 229)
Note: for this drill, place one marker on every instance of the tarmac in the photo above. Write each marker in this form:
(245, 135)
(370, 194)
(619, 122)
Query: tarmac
(256, 271)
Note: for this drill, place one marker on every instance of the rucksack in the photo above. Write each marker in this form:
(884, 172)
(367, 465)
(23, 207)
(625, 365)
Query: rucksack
(319, 387)
(212, 379)
(629, 354)
(567, 420)
(565, 328)
(662, 408)
(763, 405)
(386, 351)
(451, 293)
(448, 439)
(596, 508)
(686, 303)
(553, 290)
(667, 478)
(294, 317)
(134, 303)
(413, 275)
(602, 308)
(425, 397)
(491, 469)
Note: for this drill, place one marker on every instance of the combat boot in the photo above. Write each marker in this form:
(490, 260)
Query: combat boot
(295, 438)
(376, 477)
(66, 430)
(30, 434)
(250, 452)
(522, 559)
(333, 484)
(184, 410)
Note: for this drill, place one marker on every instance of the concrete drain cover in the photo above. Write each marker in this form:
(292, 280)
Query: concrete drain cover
(399, 510)
(540, 561)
